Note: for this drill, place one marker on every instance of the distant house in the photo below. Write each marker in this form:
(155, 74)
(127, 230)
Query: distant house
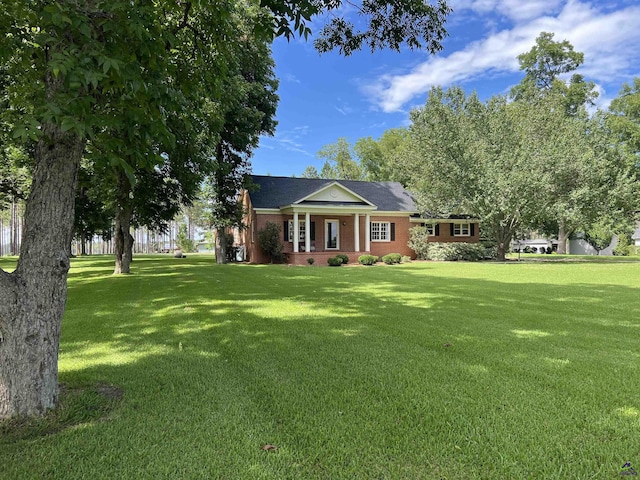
(636, 237)
(319, 218)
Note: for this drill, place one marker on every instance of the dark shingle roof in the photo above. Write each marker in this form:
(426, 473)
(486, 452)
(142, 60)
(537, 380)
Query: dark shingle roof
(275, 192)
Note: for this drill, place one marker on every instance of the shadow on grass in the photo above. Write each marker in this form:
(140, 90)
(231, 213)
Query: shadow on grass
(410, 372)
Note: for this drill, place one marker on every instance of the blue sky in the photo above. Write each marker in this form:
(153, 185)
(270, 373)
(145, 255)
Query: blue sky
(324, 97)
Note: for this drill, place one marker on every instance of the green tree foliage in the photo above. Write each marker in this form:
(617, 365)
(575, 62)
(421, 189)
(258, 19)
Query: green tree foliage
(599, 234)
(484, 159)
(15, 175)
(310, 172)
(624, 121)
(339, 162)
(544, 64)
(376, 157)
(183, 242)
(369, 159)
(417, 24)
(92, 213)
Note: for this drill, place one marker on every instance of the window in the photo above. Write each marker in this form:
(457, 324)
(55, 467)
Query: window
(301, 229)
(461, 230)
(431, 228)
(380, 232)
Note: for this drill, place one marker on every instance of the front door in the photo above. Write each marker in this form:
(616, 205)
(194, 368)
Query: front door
(332, 239)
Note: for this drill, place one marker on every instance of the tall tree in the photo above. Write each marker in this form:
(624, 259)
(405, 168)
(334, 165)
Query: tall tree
(544, 66)
(376, 156)
(310, 172)
(483, 159)
(249, 113)
(82, 69)
(339, 162)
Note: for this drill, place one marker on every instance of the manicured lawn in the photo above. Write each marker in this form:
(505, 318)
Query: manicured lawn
(416, 371)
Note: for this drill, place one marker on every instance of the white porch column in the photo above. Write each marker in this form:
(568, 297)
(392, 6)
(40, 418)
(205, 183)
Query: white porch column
(296, 233)
(356, 230)
(367, 233)
(307, 232)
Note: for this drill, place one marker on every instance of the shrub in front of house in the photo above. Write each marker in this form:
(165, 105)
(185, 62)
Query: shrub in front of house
(449, 252)
(391, 258)
(334, 261)
(405, 259)
(367, 259)
(623, 247)
(269, 241)
(418, 242)
(345, 258)
(310, 260)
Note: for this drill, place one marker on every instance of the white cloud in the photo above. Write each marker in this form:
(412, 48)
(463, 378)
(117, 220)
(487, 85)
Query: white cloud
(609, 40)
(289, 77)
(291, 140)
(515, 10)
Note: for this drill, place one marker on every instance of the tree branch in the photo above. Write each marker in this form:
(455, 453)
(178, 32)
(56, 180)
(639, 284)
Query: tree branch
(185, 19)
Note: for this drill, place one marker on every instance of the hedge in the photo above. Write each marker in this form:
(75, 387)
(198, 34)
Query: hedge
(470, 252)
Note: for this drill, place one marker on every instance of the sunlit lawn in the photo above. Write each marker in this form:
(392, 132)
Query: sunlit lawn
(416, 371)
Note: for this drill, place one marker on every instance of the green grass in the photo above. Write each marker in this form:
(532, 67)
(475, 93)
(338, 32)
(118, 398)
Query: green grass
(416, 371)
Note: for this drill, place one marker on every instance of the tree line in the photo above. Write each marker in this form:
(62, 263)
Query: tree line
(533, 160)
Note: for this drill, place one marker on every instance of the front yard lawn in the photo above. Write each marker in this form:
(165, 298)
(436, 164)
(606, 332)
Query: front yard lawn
(187, 369)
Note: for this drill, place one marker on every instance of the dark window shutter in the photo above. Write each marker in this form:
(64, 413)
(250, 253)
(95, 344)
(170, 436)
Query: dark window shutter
(312, 233)
(286, 230)
(437, 232)
(473, 229)
(451, 225)
(393, 232)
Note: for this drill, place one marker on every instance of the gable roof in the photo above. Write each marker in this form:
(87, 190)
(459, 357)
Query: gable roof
(276, 192)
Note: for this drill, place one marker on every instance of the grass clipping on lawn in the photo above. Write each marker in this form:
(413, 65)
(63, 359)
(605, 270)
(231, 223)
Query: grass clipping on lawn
(426, 370)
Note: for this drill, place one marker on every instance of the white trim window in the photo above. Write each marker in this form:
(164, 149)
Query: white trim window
(431, 228)
(380, 231)
(301, 229)
(461, 230)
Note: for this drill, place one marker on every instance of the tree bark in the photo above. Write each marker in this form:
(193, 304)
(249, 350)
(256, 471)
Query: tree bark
(563, 235)
(34, 295)
(124, 211)
(221, 246)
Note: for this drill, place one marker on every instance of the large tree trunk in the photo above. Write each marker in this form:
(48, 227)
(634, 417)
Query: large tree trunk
(563, 236)
(503, 236)
(34, 295)
(124, 211)
(221, 246)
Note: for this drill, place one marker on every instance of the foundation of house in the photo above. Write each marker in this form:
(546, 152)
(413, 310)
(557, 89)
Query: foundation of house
(320, 258)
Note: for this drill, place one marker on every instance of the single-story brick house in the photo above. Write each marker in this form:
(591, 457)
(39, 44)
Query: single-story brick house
(320, 218)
